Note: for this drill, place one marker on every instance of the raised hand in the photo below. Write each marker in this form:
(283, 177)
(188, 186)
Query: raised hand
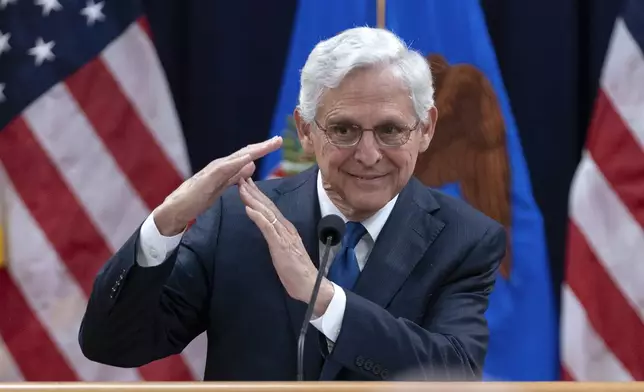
(199, 192)
(290, 259)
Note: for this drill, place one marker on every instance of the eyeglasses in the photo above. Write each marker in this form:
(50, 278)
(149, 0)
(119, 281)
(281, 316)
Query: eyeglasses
(346, 135)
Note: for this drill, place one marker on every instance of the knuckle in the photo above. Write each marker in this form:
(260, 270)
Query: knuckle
(284, 243)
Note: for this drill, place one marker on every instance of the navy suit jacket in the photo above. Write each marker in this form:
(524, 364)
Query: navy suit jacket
(417, 311)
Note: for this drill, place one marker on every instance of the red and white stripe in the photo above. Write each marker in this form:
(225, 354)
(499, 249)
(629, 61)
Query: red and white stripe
(602, 334)
(81, 168)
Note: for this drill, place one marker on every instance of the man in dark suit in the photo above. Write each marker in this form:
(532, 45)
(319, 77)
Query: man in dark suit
(408, 287)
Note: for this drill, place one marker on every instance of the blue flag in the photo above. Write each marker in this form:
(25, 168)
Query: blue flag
(314, 21)
(522, 318)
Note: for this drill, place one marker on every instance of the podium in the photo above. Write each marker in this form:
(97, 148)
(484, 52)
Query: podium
(322, 387)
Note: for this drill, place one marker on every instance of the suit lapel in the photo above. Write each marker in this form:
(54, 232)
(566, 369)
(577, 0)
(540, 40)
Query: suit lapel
(298, 202)
(404, 239)
(409, 231)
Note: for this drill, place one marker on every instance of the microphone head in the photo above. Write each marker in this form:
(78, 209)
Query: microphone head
(331, 226)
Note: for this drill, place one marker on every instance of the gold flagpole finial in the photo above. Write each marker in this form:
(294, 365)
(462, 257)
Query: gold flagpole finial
(381, 13)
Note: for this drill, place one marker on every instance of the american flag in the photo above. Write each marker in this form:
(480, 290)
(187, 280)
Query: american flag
(90, 143)
(602, 335)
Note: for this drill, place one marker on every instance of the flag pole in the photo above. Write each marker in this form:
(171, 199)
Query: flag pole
(381, 13)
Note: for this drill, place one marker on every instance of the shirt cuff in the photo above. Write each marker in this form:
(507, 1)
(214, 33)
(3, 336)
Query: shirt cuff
(154, 247)
(331, 321)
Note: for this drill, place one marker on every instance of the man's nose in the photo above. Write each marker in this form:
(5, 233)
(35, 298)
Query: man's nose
(368, 150)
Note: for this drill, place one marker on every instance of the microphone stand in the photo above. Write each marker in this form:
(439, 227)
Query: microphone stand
(309, 309)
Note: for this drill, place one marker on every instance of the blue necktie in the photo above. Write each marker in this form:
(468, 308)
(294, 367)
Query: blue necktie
(345, 271)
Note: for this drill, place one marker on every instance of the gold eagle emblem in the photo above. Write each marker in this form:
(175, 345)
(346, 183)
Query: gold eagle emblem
(469, 144)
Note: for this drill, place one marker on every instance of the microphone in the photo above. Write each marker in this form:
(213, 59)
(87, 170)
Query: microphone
(330, 231)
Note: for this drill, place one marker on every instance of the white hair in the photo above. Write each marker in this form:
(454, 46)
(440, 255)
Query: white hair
(333, 59)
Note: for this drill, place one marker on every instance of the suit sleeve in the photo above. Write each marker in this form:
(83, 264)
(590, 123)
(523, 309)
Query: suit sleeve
(449, 344)
(136, 315)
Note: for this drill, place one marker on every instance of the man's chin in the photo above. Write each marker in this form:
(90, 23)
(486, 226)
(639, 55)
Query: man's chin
(368, 202)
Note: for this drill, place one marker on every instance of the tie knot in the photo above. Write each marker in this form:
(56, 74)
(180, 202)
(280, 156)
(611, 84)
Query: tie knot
(352, 235)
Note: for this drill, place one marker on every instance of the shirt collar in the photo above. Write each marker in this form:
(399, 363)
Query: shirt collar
(373, 224)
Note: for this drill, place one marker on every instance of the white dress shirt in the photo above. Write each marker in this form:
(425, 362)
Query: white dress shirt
(154, 248)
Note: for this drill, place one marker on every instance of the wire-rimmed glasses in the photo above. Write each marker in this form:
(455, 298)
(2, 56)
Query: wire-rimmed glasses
(348, 135)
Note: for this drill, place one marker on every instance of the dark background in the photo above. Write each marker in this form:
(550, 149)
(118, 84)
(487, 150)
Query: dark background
(224, 62)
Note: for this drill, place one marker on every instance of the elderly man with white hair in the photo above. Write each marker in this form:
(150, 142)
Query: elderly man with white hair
(408, 285)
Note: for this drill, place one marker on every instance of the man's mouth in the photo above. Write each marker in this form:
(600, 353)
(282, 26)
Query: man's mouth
(367, 177)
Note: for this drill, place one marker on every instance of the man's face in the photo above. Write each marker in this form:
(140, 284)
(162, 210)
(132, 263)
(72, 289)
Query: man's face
(366, 176)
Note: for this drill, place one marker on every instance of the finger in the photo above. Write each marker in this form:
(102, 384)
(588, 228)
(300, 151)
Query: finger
(230, 166)
(226, 172)
(253, 199)
(262, 198)
(265, 148)
(251, 151)
(253, 202)
(224, 168)
(245, 172)
(268, 230)
(266, 207)
(258, 150)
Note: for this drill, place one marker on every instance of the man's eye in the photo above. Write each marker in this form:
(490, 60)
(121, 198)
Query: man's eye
(389, 130)
(340, 129)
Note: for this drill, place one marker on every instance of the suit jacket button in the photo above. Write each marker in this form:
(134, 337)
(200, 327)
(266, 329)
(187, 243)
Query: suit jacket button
(359, 361)
(368, 365)
(376, 369)
(384, 374)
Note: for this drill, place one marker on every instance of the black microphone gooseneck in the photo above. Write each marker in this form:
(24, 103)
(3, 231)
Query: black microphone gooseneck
(330, 231)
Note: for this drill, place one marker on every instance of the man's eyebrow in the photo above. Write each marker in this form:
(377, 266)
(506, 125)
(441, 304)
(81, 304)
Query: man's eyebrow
(341, 119)
(348, 120)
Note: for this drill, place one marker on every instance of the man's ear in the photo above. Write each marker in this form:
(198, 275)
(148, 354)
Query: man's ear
(427, 130)
(304, 132)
